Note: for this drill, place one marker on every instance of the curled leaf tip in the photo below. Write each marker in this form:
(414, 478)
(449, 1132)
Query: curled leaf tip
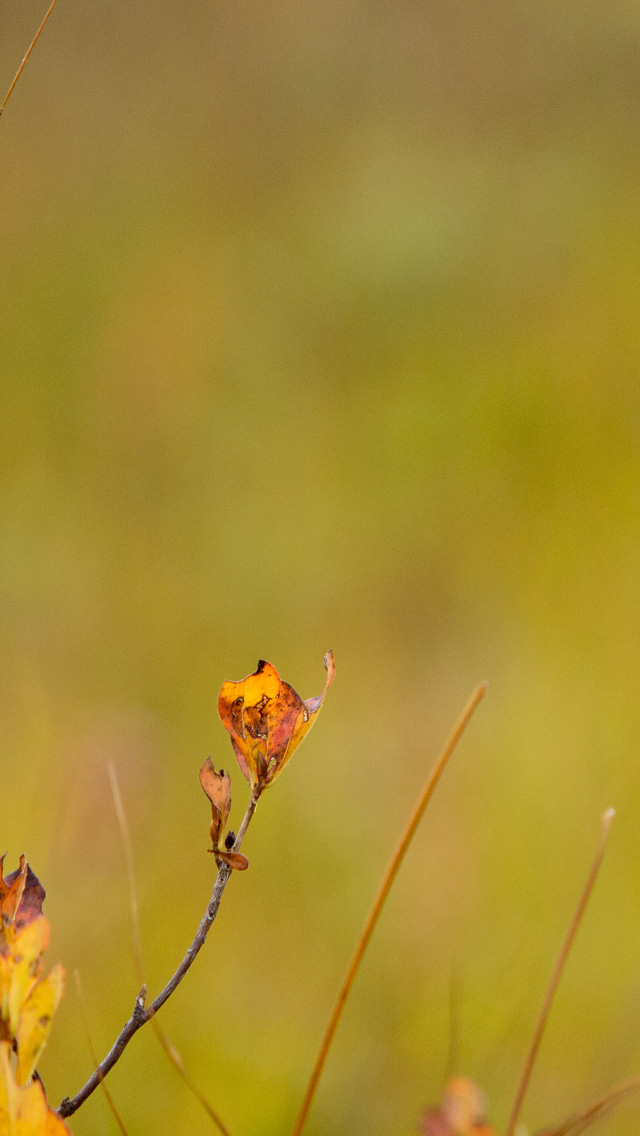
(21, 895)
(267, 719)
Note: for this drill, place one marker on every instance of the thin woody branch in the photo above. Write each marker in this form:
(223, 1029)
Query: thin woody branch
(142, 1013)
(168, 1047)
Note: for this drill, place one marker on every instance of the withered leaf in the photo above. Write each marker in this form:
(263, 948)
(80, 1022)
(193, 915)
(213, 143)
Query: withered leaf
(433, 1123)
(11, 890)
(462, 1112)
(233, 859)
(33, 897)
(35, 1020)
(217, 786)
(21, 896)
(266, 720)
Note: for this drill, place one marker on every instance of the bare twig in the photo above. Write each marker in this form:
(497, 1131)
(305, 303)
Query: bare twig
(390, 875)
(27, 54)
(167, 1045)
(580, 1121)
(557, 973)
(142, 1013)
(92, 1051)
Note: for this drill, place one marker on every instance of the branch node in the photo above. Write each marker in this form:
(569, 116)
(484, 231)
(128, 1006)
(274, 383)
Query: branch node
(140, 1015)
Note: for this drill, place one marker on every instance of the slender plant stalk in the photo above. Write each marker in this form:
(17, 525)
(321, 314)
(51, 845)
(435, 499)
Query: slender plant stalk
(455, 1002)
(178, 1063)
(27, 54)
(133, 892)
(92, 1050)
(561, 962)
(580, 1121)
(390, 875)
(142, 1013)
(167, 1045)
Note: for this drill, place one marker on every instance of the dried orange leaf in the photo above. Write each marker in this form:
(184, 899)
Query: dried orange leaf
(33, 896)
(217, 786)
(11, 890)
(35, 1020)
(266, 720)
(21, 896)
(461, 1113)
(234, 860)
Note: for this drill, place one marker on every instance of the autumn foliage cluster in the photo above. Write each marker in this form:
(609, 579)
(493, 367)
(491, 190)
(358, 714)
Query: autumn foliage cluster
(266, 720)
(29, 1000)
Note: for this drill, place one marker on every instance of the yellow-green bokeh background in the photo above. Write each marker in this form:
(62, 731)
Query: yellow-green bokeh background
(320, 327)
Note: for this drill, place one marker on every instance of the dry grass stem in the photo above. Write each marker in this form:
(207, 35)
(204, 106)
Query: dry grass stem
(405, 840)
(92, 1051)
(557, 973)
(580, 1121)
(27, 54)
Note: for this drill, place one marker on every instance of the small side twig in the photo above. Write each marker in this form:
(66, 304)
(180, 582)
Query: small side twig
(27, 54)
(142, 1014)
(167, 1045)
(379, 902)
(557, 973)
(92, 1051)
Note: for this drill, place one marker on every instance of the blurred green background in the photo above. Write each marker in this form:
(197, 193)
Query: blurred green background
(320, 328)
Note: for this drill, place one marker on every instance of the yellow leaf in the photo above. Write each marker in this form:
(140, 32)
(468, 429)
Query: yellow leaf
(35, 1021)
(24, 966)
(24, 1110)
(54, 1125)
(267, 719)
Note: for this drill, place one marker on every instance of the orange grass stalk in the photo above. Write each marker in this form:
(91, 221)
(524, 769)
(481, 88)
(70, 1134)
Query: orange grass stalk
(580, 1121)
(405, 840)
(92, 1050)
(557, 973)
(27, 54)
